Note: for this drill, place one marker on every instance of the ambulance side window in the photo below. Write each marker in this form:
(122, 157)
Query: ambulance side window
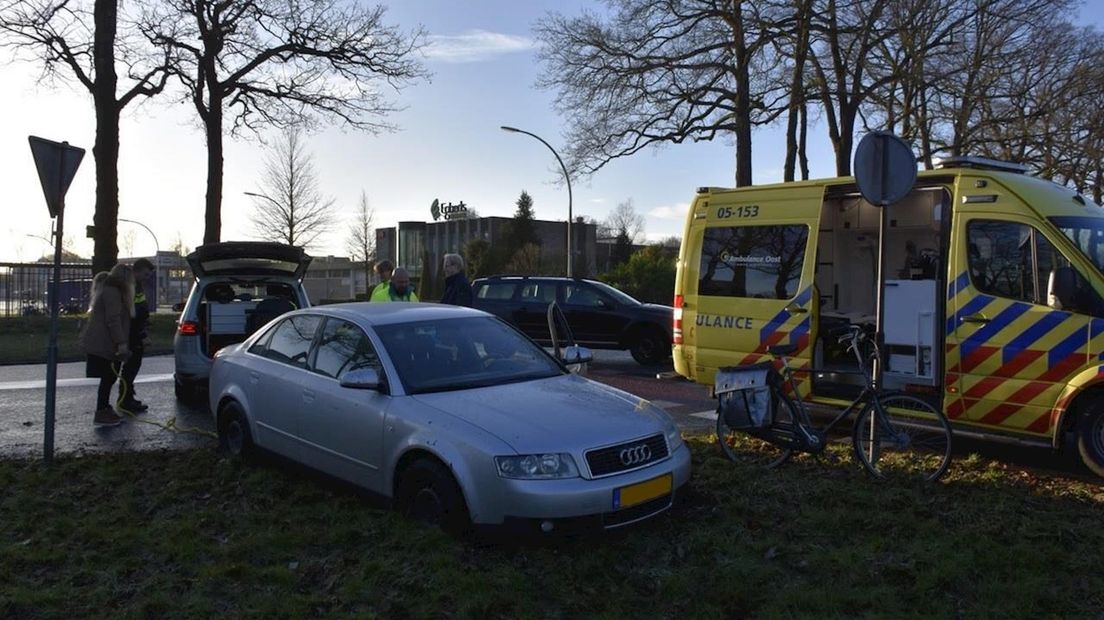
(752, 261)
(1016, 261)
(1000, 259)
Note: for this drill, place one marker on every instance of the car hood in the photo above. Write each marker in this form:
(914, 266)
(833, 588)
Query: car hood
(567, 413)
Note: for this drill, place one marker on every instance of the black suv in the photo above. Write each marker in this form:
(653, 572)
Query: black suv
(600, 316)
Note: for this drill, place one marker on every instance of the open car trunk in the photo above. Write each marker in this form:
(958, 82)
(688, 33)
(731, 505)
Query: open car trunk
(249, 258)
(245, 285)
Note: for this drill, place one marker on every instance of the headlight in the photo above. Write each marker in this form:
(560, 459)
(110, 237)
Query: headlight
(674, 438)
(532, 466)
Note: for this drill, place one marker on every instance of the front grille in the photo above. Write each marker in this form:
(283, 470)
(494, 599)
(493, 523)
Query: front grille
(636, 513)
(605, 461)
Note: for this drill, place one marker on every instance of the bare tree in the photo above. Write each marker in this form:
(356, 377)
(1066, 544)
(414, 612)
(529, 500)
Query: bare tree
(273, 62)
(128, 239)
(624, 220)
(80, 40)
(290, 207)
(361, 241)
(661, 71)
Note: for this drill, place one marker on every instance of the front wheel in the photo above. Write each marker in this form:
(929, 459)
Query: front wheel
(1090, 439)
(428, 492)
(903, 437)
(744, 449)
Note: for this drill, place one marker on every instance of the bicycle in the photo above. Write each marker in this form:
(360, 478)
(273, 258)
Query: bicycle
(895, 434)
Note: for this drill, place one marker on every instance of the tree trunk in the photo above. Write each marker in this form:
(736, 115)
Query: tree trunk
(743, 99)
(797, 89)
(212, 232)
(803, 140)
(105, 151)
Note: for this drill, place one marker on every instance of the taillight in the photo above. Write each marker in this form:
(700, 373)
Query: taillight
(677, 326)
(188, 328)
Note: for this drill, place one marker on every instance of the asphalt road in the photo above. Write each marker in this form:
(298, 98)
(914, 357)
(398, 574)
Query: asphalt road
(23, 397)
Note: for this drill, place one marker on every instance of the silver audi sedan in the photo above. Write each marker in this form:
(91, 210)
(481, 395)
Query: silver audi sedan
(451, 413)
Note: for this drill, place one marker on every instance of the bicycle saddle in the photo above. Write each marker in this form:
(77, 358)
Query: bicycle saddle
(782, 349)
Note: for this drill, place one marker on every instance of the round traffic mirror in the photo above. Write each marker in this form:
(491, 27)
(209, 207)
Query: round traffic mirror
(885, 168)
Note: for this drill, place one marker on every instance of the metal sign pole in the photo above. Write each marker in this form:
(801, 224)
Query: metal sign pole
(51, 348)
(55, 175)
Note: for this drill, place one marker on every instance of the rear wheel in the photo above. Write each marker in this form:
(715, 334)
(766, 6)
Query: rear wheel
(651, 347)
(1090, 438)
(185, 393)
(909, 440)
(233, 431)
(744, 449)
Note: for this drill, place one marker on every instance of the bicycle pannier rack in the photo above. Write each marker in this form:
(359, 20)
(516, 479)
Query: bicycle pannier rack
(744, 395)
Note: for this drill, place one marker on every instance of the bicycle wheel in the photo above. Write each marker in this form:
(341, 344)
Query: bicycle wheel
(745, 449)
(905, 438)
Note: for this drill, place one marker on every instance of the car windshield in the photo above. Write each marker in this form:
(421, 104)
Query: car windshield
(458, 354)
(616, 294)
(1087, 233)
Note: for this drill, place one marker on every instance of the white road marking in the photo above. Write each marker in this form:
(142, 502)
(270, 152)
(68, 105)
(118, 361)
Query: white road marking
(38, 385)
(705, 415)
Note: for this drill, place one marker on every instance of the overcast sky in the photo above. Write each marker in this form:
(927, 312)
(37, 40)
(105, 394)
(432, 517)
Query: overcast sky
(449, 146)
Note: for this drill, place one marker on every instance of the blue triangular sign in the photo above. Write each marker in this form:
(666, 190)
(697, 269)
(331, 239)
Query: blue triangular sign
(57, 164)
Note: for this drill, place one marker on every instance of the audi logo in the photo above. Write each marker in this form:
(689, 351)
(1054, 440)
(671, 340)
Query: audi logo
(635, 455)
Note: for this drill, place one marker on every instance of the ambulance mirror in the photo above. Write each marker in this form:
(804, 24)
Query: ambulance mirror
(885, 168)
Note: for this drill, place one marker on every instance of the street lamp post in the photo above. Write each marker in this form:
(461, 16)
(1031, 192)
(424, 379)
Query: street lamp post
(156, 258)
(567, 179)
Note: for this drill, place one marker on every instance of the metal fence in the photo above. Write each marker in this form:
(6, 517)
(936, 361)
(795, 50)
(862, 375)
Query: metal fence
(24, 288)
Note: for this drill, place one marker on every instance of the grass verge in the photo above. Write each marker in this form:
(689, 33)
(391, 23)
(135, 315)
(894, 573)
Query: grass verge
(23, 340)
(194, 534)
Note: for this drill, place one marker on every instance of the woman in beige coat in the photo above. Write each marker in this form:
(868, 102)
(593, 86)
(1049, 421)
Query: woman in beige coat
(105, 336)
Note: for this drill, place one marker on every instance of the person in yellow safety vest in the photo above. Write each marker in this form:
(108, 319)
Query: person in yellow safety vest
(398, 290)
(383, 270)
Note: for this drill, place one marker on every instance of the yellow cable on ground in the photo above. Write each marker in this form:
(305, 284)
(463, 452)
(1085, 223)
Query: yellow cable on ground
(169, 426)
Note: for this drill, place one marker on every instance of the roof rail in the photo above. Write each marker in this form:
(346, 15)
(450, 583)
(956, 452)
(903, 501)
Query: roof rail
(980, 163)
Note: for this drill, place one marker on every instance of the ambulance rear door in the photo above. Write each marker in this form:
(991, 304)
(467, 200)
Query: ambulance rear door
(753, 288)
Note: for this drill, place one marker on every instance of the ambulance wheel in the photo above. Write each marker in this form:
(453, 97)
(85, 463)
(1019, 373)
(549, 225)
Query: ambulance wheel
(1090, 439)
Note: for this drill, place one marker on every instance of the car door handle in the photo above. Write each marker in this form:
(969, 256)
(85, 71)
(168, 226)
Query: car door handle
(308, 396)
(975, 318)
(796, 309)
(254, 378)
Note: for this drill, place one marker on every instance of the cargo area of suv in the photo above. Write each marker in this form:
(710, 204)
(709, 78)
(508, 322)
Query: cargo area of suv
(239, 287)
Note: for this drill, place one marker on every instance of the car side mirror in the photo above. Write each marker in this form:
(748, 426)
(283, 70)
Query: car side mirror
(1061, 288)
(576, 355)
(362, 379)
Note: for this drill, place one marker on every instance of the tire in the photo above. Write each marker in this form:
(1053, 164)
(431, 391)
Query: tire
(1090, 439)
(651, 347)
(744, 449)
(234, 436)
(428, 492)
(911, 442)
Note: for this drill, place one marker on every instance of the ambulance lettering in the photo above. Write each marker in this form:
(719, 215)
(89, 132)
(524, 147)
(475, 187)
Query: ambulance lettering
(729, 322)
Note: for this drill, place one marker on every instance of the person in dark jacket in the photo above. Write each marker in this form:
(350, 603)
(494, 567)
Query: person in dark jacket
(457, 288)
(106, 334)
(139, 334)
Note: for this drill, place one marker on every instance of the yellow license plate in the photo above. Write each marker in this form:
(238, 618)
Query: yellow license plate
(642, 491)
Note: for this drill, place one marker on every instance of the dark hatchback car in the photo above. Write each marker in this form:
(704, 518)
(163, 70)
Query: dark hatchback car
(600, 316)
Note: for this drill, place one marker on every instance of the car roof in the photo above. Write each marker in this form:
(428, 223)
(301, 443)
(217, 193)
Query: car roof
(391, 313)
(521, 278)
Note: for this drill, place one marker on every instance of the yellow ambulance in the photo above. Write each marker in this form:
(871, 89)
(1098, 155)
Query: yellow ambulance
(992, 295)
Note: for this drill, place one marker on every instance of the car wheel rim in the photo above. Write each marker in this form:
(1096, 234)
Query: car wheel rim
(235, 438)
(1097, 435)
(427, 506)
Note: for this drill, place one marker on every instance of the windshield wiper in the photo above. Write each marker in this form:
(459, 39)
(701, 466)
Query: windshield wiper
(470, 385)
